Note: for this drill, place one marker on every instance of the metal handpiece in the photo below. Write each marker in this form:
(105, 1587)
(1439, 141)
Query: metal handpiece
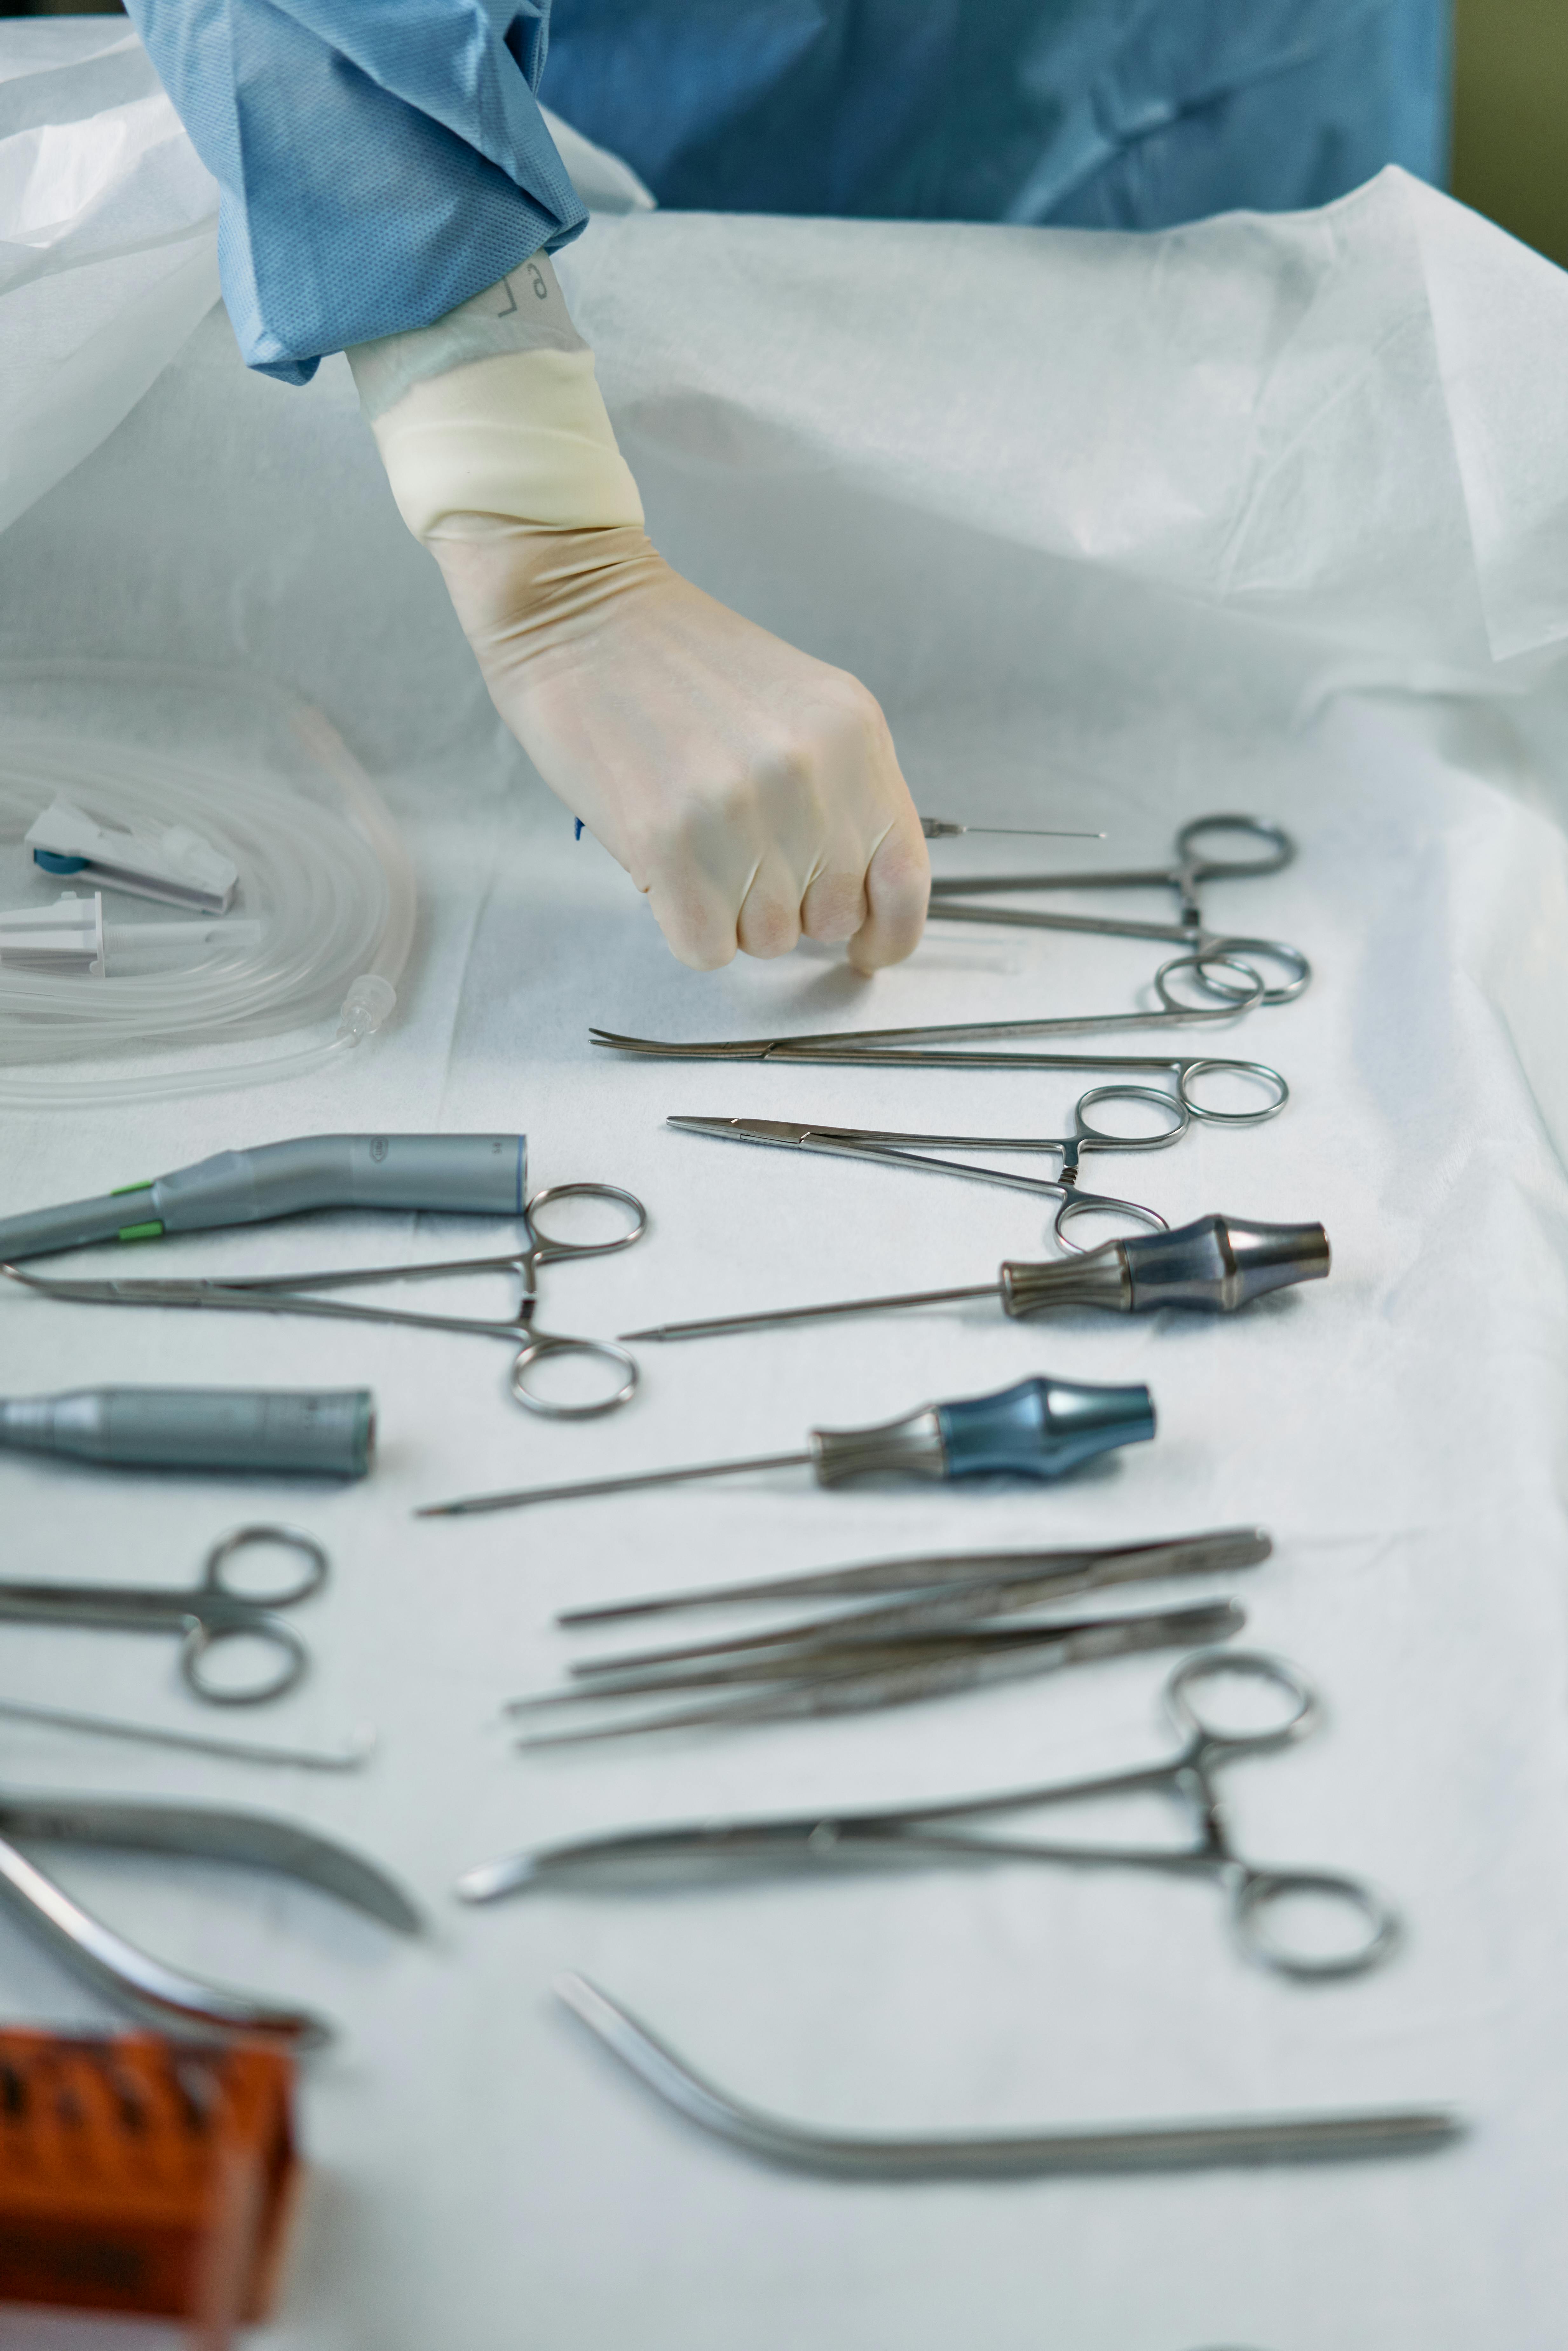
(1215, 1264)
(1040, 1428)
(147, 1988)
(282, 1432)
(473, 1174)
(970, 1583)
(1210, 2144)
(941, 1832)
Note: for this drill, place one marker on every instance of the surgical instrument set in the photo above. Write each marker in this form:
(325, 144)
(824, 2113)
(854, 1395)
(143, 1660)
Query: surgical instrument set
(1184, 877)
(1042, 1428)
(149, 1988)
(1211, 2143)
(325, 1433)
(470, 1174)
(206, 1614)
(1215, 1266)
(938, 1832)
(854, 1667)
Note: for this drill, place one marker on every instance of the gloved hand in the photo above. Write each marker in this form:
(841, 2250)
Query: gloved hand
(752, 792)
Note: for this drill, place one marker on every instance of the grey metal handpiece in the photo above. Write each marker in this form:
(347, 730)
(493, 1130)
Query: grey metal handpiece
(480, 1175)
(321, 1433)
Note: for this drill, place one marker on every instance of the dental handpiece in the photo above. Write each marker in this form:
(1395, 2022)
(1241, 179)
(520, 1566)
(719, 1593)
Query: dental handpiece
(324, 1433)
(479, 1175)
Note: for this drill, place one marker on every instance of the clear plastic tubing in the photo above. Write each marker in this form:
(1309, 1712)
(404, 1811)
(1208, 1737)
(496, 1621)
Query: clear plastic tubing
(330, 898)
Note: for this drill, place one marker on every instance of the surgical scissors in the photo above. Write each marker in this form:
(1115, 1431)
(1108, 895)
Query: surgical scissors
(920, 1833)
(207, 1613)
(1184, 877)
(896, 1150)
(293, 1294)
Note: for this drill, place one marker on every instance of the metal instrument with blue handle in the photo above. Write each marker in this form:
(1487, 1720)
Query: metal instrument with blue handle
(1040, 1428)
(471, 1175)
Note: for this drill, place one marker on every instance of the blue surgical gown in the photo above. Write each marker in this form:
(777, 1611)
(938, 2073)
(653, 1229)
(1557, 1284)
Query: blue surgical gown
(383, 160)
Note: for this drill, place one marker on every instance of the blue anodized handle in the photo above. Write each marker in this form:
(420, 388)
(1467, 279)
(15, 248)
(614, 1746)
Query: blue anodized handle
(1042, 1428)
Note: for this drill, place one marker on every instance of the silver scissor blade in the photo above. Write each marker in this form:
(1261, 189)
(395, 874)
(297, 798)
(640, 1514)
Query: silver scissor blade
(209, 1834)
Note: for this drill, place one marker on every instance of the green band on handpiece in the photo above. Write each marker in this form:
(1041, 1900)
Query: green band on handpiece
(120, 1189)
(139, 1232)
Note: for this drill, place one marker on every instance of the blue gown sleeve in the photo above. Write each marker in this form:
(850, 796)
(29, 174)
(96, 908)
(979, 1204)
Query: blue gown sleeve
(379, 160)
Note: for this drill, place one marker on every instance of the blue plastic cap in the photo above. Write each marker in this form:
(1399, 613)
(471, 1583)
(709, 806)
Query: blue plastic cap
(54, 863)
(1042, 1428)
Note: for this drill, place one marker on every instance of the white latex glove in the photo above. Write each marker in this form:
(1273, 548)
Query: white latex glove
(752, 792)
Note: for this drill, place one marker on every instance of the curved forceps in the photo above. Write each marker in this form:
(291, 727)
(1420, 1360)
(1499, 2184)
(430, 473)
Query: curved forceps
(294, 1293)
(931, 1832)
(898, 1150)
(207, 1613)
(1276, 850)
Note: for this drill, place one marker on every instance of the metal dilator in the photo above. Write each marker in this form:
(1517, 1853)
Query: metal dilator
(1216, 1265)
(1042, 1428)
(475, 1174)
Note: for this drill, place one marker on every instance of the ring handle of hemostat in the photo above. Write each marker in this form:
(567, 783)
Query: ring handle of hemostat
(1208, 1065)
(547, 1250)
(1100, 1204)
(1211, 1668)
(1233, 953)
(1278, 848)
(541, 1346)
(246, 1617)
(1372, 1926)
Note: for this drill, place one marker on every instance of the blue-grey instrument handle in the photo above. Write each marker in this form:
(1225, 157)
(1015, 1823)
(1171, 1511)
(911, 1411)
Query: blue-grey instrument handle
(481, 1174)
(323, 1433)
(1040, 1428)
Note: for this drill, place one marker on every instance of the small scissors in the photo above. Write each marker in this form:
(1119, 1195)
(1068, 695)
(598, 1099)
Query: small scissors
(207, 1614)
(1209, 949)
(921, 1831)
(290, 1293)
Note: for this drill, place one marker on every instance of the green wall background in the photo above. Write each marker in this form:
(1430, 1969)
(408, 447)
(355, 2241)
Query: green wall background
(1510, 117)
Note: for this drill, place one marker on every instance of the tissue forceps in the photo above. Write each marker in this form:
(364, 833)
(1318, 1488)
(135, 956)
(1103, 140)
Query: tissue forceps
(293, 1294)
(1191, 870)
(933, 1833)
(896, 1150)
(207, 1613)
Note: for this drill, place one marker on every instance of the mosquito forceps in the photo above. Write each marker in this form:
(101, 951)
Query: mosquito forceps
(934, 1832)
(897, 1150)
(297, 1293)
(1275, 850)
(206, 1613)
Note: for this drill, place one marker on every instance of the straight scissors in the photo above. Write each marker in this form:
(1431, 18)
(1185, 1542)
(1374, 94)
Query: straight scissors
(205, 1614)
(922, 1833)
(296, 1293)
(1210, 951)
